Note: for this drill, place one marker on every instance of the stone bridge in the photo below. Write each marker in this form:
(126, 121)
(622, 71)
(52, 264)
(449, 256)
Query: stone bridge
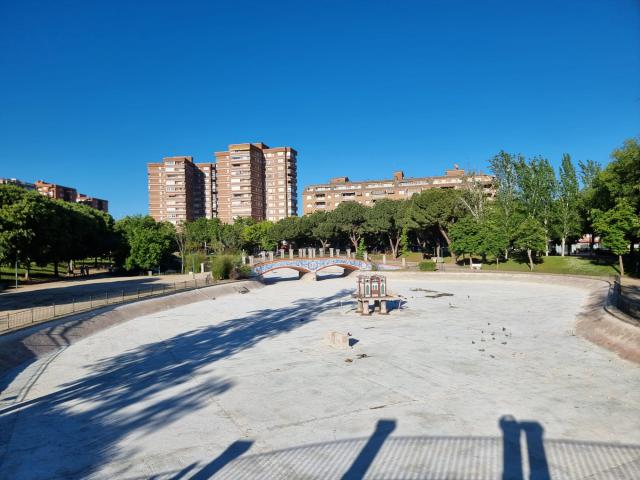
(310, 265)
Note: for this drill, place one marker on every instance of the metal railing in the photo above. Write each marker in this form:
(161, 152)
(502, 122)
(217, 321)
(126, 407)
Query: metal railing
(82, 303)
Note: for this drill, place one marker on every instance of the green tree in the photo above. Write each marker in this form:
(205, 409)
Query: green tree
(231, 235)
(505, 168)
(205, 234)
(531, 238)
(434, 209)
(146, 243)
(495, 238)
(351, 218)
(617, 226)
(620, 182)
(388, 218)
(466, 237)
(567, 210)
(323, 228)
(537, 192)
(287, 230)
(589, 172)
(259, 235)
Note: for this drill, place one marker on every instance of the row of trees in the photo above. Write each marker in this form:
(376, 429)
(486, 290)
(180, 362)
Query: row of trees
(533, 207)
(37, 230)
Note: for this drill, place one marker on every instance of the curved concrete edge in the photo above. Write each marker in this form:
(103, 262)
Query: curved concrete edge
(599, 321)
(602, 323)
(26, 345)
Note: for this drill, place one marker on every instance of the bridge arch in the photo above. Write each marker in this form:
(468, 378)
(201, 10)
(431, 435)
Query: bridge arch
(310, 265)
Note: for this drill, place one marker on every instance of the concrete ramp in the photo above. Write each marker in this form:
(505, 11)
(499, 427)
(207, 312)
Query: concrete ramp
(25, 345)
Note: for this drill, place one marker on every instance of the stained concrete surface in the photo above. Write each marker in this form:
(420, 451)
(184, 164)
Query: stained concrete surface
(244, 387)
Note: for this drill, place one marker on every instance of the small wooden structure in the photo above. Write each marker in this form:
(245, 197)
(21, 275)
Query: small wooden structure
(372, 288)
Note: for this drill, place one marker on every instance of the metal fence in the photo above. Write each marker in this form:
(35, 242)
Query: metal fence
(69, 305)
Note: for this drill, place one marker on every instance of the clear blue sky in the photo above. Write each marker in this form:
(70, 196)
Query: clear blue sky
(92, 91)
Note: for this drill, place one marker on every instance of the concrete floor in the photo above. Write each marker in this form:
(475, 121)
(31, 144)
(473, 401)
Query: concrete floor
(244, 387)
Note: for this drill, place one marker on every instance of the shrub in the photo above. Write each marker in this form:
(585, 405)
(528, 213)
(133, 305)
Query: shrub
(427, 266)
(222, 266)
(193, 260)
(241, 271)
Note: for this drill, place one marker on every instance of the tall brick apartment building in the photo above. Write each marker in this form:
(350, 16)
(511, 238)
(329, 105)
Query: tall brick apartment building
(327, 196)
(257, 181)
(247, 180)
(180, 190)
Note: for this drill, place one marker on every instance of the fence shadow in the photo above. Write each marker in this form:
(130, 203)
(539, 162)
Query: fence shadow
(382, 456)
(73, 431)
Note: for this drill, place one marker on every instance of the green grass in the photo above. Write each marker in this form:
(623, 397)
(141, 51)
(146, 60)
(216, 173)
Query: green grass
(561, 265)
(411, 257)
(43, 274)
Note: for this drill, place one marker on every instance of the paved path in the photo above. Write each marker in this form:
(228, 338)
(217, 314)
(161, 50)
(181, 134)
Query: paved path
(469, 379)
(64, 290)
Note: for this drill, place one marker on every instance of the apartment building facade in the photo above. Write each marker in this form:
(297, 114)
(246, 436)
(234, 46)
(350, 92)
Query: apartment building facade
(67, 194)
(247, 180)
(240, 182)
(281, 180)
(257, 181)
(181, 190)
(327, 196)
(58, 192)
(97, 203)
(17, 183)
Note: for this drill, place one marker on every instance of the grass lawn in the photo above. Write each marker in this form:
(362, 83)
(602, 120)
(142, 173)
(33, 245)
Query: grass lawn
(42, 274)
(563, 265)
(411, 257)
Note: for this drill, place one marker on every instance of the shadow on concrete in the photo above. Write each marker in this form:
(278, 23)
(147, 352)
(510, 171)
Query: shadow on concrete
(233, 451)
(365, 458)
(438, 457)
(73, 431)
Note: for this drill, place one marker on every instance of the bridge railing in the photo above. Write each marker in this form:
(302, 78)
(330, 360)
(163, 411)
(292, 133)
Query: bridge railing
(313, 253)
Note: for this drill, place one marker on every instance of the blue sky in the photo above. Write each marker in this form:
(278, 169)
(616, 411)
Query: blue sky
(92, 91)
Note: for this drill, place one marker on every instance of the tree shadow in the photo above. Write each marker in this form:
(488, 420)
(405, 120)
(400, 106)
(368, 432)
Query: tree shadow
(75, 430)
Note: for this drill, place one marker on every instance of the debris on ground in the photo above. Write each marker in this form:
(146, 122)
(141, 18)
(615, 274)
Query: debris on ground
(432, 293)
(348, 360)
(363, 355)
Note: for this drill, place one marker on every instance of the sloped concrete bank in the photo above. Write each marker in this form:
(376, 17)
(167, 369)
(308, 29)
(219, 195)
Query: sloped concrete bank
(23, 346)
(599, 321)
